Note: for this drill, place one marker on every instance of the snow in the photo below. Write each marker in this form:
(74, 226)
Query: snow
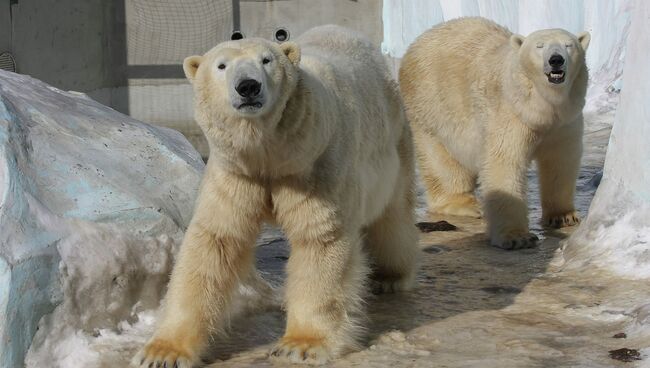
(616, 235)
(93, 206)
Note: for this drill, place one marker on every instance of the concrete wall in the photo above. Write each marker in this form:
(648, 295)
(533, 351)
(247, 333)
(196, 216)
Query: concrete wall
(5, 26)
(73, 45)
(262, 18)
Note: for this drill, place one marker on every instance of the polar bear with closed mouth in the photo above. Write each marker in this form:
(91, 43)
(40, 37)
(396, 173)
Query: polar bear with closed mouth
(312, 136)
(483, 103)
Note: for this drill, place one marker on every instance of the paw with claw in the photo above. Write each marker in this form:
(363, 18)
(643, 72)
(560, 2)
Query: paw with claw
(514, 241)
(162, 354)
(562, 220)
(301, 350)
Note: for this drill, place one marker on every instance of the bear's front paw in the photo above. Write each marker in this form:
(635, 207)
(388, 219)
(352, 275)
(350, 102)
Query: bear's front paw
(160, 353)
(563, 220)
(515, 241)
(301, 350)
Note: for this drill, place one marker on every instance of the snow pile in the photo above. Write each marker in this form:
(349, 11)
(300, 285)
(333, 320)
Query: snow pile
(93, 205)
(608, 21)
(103, 286)
(616, 234)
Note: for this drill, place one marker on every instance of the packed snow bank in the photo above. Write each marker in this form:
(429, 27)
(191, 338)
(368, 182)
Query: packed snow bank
(93, 205)
(616, 234)
(608, 21)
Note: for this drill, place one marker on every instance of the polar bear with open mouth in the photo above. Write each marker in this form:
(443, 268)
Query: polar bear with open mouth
(483, 103)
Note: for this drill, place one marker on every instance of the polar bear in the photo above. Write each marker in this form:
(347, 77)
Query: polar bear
(482, 103)
(313, 137)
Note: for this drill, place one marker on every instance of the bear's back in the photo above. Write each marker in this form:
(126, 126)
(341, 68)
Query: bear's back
(336, 41)
(355, 74)
(444, 78)
(458, 50)
(346, 53)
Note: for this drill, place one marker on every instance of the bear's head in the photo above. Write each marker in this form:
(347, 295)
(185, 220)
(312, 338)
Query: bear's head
(552, 57)
(248, 78)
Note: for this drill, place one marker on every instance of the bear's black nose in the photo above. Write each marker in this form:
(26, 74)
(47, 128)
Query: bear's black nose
(556, 60)
(249, 88)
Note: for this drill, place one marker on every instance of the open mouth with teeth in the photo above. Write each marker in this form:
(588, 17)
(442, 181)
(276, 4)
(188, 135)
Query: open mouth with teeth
(556, 76)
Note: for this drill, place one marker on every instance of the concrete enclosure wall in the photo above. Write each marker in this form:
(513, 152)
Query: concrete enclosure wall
(5, 26)
(127, 54)
(73, 45)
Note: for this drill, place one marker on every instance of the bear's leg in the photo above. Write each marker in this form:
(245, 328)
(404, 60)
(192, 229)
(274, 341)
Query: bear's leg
(558, 164)
(392, 243)
(325, 278)
(217, 251)
(450, 186)
(503, 183)
(392, 240)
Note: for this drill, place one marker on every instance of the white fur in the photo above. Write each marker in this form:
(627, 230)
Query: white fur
(481, 109)
(329, 158)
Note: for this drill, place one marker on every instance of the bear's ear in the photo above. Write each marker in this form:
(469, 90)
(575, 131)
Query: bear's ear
(191, 65)
(292, 51)
(584, 38)
(516, 41)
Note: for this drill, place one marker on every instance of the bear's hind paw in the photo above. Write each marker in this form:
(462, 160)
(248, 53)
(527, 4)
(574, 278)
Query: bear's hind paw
(458, 205)
(388, 285)
(516, 242)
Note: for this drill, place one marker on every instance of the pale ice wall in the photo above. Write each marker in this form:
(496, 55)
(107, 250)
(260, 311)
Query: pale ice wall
(607, 20)
(616, 234)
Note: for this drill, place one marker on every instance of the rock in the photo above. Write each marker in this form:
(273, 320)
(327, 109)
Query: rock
(93, 205)
(625, 354)
(427, 227)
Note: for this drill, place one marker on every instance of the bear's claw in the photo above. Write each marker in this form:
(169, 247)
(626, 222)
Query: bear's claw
(161, 354)
(563, 220)
(300, 351)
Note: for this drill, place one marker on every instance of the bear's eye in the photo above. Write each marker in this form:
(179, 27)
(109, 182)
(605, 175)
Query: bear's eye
(266, 61)
(540, 45)
(568, 45)
(222, 66)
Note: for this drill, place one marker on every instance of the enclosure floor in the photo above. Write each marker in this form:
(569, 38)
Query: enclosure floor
(475, 306)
